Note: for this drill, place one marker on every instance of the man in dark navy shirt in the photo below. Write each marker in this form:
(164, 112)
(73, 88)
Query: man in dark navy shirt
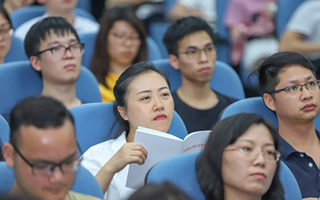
(290, 89)
(189, 42)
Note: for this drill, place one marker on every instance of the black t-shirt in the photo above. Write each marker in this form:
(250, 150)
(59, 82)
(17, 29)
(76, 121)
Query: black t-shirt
(198, 120)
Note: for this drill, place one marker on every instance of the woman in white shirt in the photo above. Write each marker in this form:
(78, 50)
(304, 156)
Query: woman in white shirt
(143, 98)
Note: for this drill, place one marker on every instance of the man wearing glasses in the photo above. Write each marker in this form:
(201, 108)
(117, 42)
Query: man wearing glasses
(291, 89)
(189, 42)
(42, 150)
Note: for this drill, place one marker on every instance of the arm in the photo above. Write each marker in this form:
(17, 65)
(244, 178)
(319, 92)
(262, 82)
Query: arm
(179, 10)
(128, 153)
(293, 41)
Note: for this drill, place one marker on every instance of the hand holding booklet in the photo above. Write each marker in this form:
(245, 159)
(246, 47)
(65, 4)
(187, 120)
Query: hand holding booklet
(160, 146)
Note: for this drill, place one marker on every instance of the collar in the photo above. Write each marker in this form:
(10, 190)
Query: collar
(286, 149)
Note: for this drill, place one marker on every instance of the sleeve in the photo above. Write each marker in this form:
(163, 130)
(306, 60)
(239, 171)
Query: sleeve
(302, 21)
(234, 13)
(92, 160)
(189, 4)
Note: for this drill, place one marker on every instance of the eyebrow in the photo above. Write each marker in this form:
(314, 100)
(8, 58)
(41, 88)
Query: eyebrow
(195, 47)
(252, 142)
(58, 42)
(64, 160)
(149, 91)
(296, 81)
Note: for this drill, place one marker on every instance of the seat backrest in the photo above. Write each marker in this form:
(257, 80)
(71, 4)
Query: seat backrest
(19, 80)
(156, 32)
(225, 80)
(250, 105)
(16, 52)
(26, 13)
(4, 130)
(285, 9)
(180, 171)
(83, 179)
(94, 121)
(89, 39)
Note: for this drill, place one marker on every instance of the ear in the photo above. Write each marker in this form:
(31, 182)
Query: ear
(269, 101)
(8, 154)
(35, 63)
(123, 113)
(174, 61)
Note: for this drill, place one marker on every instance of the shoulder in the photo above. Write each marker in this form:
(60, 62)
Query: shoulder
(85, 25)
(225, 99)
(79, 196)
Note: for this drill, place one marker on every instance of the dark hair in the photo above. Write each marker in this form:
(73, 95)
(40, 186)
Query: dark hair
(39, 111)
(164, 191)
(40, 30)
(269, 69)
(100, 62)
(1, 154)
(122, 85)
(224, 133)
(5, 14)
(182, 27)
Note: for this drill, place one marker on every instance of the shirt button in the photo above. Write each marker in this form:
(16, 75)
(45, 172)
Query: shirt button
(301, 155)
(310, 165)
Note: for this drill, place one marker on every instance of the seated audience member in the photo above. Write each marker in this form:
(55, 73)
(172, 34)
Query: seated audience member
(143, 98)
(42, 150)
(54, 50)
(251, 26)
(302, 34)
(164, 191)
(5, 33)
(189, 42)
(205, 9)
(290, 88)
(11, 5)
(240, 160)
(120, 43)
(63, 9)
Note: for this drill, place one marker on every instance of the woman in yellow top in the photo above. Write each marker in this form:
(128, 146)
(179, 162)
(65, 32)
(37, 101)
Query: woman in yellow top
(120, 43)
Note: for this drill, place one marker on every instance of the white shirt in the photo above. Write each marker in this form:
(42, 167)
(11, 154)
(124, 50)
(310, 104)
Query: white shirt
(97, 156)
(81, 24)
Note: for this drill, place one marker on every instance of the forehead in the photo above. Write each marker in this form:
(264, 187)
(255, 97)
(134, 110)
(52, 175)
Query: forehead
(122, 25)
(147, 81)
(59, 36)
(196, 39)
(294, 73)
(257, 133)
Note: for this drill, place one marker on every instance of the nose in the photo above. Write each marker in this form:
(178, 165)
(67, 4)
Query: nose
(158, 104)
(260, 159)
(56, 175)
(203, 56)
(68, 53)
(128, 41)
(305, 93)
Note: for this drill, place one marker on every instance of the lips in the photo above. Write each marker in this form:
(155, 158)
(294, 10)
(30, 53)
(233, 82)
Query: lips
(259, 175)
(70, 67)
(160, 117)
(204, 70)
(126, 54)
(308, 107)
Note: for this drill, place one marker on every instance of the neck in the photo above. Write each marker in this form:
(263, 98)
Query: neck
(197, 95)
(64, 93)
(231, 194)
(118, 69)
(130, 136)
(69, 16)
(299, 135)
(1, 61)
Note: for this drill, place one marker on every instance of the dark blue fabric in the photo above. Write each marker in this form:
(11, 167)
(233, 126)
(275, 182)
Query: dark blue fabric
(303, 168)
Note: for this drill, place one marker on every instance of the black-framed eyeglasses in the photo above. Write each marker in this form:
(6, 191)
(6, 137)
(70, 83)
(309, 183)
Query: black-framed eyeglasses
(6, 29)
(293, 89)
(195, 53)
(60, 51)
(250, 154)
(47, 168)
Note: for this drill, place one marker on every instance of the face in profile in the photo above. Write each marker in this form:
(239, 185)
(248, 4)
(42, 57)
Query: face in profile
(149, 103)
(5, 36)
(42, 147)
(123, 43)
(248, 165)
